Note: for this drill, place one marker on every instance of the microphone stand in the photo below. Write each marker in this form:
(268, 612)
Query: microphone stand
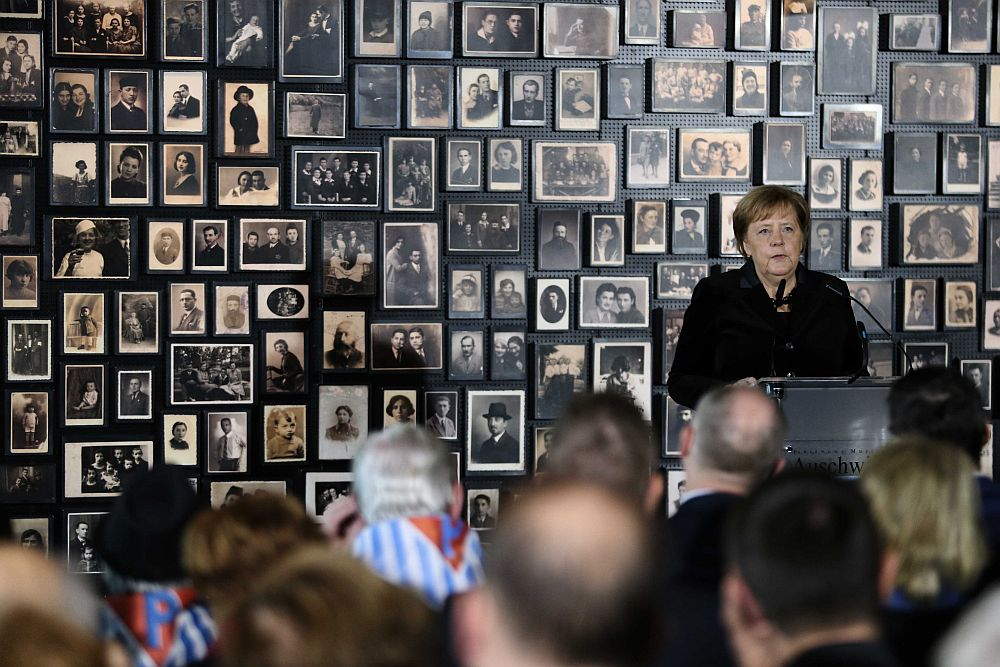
(896, 344)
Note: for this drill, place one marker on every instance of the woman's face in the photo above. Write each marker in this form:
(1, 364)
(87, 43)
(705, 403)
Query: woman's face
(400, 410)
(499, 348)
(63, 97)
(504, 157)
(6, 66)
(292, 235)
(750, 85)
(86, 239)
(924, 238)
(79, 96)
(868, 182)
(181, 163)
(506, 289)
(774, 244)
(946, 240)
(244, 180)
(514, 348)
(474, 90)
(177, 98)
(825, 176)
(604, 233)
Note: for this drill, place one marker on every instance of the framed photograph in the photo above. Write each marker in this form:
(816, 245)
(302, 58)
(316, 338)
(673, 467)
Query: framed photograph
(182, 94)
(29, 350)
(25, 9)
(343, 420)
(991, 324)
(688, 85)
(935, 93)
(128, 100)
(466, 354)
(432, 29)
(693, 154)
(697, 29)
(626, 89)
(183, 174)
(915, 32)
(379, 28)
(284, 434)
(749, 89)
(798, 89)
(310, 41)
(484, 228)
(411, 265)
(122, 33)
(940, 233)
(992, 95)
(676, 280)
(20, 284)
(784, 157)
(482, 507)
(509, 358)
(21, 138)
(852, 126)
(414, 346)
(269, 244)
(81, 555)
(325, 186)
(411, 182)
(91, 248)
(607, 240)
(430, 92)
(552, 304)
(441, 414)
(22, 79)
(527, 98)
(17, 200)
(464, 170)
(33, 532)
(135, 390)
(648, 157)
(377, 96)
(865, 244)
(165, 246)
(575, 171)
(690, 217)
(348, 257)
(74, 93)
(102, 469)
(960, 304)
(184, 33)
(325, 490)
(543, 441)
(624, 368)
(825, 183)
(642, 22)
(29, 422)
(398, 407)
(224, 493)
(915, 163)
(866, 185)
(649, 227)
(74, 174)
(506, 158)
(320, 115)
(980, 373)
(969, 27)
(877, 295)
(187, 317)
(245, 34)
(847, 49)
(920, 304)
(578, 98)
(210, 245)
(614, 302)
(282, 302)
(560, 373)
(727, 237)
(466, 287)
(129, 175)
(676, 486)
(753, 25)
(85, 323)
(211, 373)
(257, 185)
(798, 25)
(344, 340)
(921, 355)
(675, 418)
(561, 232)
(500, 29)
(826, 245)
(992, 282)
(479, 98)
(84, 395)
(673, 322)
(581, 31)
(495, 432)
(180, 439)
(509, 288)
(963, 163)
(138, 323)
(245, 124)
(993, 176)
(283, 370)
(227, 441)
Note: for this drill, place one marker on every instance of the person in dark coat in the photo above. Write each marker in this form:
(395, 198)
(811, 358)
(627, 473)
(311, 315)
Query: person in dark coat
(243, 120)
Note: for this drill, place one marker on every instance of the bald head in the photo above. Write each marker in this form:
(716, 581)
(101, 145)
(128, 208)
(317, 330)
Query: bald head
(734, 441)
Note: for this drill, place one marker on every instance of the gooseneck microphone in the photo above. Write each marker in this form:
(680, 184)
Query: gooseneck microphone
(862, 333)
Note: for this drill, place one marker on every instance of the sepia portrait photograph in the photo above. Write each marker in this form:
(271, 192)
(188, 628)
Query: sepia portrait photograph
(210, 246)
(411, 265)
(282, 302)
(714, 154)
(430, 103)
(320, 180)
(187, 309)
(697, 29)
(506, 158)
(690, 231)
(784, 154)
(17, 206)
(508, 359)
(866, 185)
(225, 493)
(933, 93)
(484, 228)
(993, 175)
(920, 304)
(798, 89)
(852, 126)
(466, 291)
(244, 33)
(103, 469)
(29, 422)
(940, 233)
(992, 96)
(464, 160)
(81, 556)
(22, 9)
(441, 414)
(83, 395)
(495, 431)
(179, 435)
(129, 175)
(245, 122)
(726, 235)
(991, 324)
(211, 373)
(578, 98)
(74, 171)
(980, 373)
(559, 236)
(865, 244)
(963, 163)
(85, 323)
(344, 340)
(467, 352)
(676, 280)
(128, 95)
(673, 323)
(825, 183)
(479, 98)
(846, 50)
(377, 95)
(798, 25)
(20, 138)
(500, 29)
(560, 373)
(411, 179)
(138, 322)
(320, 115)
(877, 296)
(268, 244)
(284, 433)
(227, 441)
(326, 491)
(607, 240)
(114, 29)
(343, 420)
(915, 163)
(398, 407)
(184, 28)
(826, 245)
(135, 395)
(431, 29)
(284, 354)
(182, 170)
(75, 100)
(378, 26)
(915, 32)
(91, 248)
(165, 246)
(528, 91)
(309, 39)
(649, 227)
(580, 31)
(960, 304)
(992, 282)
(970, 26)
(29, 350)
(482, 508)
(509, 288)
(625, 90)
(183, 97)
(688, 86)
(20, 280)
(575, 171)
(257, 185)
(348, 257)
(22, 71)
(624, 368)
(552, 304)
(752, 19)
(413, 346)
(750, 89)
(613, 302)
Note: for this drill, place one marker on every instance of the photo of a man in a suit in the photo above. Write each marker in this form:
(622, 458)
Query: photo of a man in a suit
(135, 403)
(116, 251)
(500, 447)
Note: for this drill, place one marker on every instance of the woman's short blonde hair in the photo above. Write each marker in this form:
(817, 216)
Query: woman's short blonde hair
(925, 501)
(764, 201)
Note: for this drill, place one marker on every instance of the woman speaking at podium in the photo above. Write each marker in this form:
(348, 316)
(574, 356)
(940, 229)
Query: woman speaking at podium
(772, 317)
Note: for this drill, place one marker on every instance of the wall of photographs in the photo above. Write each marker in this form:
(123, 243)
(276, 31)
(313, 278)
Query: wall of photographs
(239, 236)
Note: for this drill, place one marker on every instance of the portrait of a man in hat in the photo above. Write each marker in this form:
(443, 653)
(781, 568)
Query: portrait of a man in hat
(127, 114)
(243, 121)
(500, 447)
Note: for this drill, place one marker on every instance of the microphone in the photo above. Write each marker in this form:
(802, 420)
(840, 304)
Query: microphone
(780, 299)
(862, 332)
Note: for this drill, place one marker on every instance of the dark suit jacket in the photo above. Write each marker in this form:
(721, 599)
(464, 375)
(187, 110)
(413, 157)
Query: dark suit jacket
(214, 256)
(616, 104)
(193, 108)
(124, 119)
(731, 331)
(517, 111)
(116, 259)
(505, 450)
(135, 408)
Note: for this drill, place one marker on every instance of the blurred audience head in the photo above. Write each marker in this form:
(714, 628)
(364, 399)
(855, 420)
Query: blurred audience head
(940, 404)
(974, 640)
(602, 439)
(30, 581)
(573, 580)
(31, 636)
(927, 508)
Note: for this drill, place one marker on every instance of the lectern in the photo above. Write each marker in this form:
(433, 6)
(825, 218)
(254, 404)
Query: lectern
(833, 424)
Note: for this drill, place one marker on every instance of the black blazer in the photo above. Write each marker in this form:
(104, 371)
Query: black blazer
(731, 331)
